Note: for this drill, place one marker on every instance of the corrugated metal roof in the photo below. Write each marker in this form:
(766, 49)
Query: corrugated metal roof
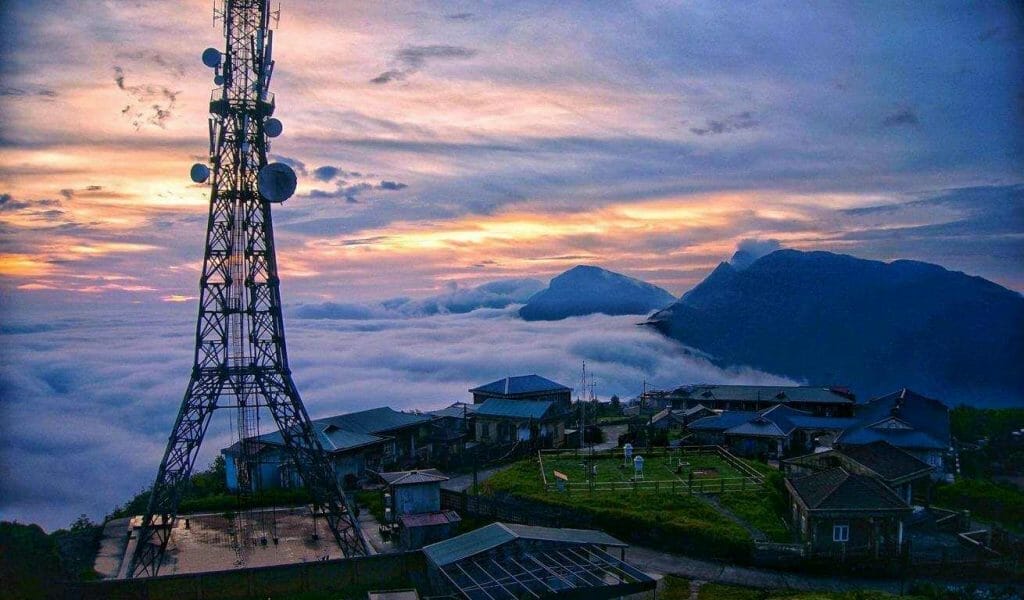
(765, 393)
(497, 534)
(523, 409)
(759, 427)
(413, 477)
(521, 384)
(375, 420)
(726, 420)
(427, 519)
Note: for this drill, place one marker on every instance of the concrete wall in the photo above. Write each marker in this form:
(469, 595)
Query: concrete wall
(385, 571)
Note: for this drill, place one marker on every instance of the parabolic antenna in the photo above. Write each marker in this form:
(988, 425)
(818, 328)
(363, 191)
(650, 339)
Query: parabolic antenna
(277, 182)
(199, 173)
(218, 80)
(273, 127)
(211, 57)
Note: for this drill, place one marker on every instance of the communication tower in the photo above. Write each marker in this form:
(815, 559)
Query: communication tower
(241, 361)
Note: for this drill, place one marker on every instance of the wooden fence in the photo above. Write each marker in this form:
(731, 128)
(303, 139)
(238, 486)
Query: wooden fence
(749, 478)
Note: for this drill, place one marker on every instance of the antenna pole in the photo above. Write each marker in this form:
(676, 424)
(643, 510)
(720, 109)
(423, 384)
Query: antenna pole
(240, 359)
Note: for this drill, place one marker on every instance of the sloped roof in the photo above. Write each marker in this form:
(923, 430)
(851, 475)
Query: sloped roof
(496, 534)
(757, 427)
(414, 477)
(885, 459)
(928, 420)
(767, 393)
(693, 410)
(838, 489)
(457, 410)
(726, 420)
(521, 384)
(375, 420)
(427, 519)
(524, 409)
(332, 440)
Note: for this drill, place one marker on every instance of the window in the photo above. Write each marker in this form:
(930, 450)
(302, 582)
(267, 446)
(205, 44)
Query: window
(840, 533)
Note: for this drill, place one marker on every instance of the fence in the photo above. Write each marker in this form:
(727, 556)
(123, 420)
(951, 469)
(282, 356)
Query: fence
(340, 575)
(749, 478)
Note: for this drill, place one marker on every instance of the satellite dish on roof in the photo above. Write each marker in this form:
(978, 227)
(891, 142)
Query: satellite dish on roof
(277, 182)
(199, 173)
(273, 127)
(211, 57)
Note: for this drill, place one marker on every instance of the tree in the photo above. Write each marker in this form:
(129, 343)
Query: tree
(616, 405)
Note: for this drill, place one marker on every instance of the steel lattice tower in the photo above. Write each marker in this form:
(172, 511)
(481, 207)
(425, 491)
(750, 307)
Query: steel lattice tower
(240, 356)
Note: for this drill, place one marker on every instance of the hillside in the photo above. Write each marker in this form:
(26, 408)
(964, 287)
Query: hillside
(876, 327)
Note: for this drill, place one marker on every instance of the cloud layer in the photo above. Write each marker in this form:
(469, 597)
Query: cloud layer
(89, 399)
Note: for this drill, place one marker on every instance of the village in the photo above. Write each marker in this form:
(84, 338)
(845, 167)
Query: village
(519, 485)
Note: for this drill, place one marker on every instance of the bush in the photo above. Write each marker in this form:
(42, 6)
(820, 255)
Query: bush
(29, 563)
(999, 502)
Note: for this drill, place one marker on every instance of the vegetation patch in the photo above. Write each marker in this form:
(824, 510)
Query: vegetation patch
(1000, 503)
(673, 522)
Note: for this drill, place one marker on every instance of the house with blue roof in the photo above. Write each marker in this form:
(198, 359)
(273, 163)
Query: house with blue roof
(772, 432)
(356, 442)
(907, 420)
(523, 387)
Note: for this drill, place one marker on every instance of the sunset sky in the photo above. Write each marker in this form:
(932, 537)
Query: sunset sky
(443, 145)
(438, 143)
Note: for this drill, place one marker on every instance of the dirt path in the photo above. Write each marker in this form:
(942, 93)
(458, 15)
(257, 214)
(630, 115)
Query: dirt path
(756, 534)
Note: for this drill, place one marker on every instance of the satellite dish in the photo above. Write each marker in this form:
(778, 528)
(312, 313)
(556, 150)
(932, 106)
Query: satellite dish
(277, 182)
(218, 80)
(199, 173)
(273, 127)
(211, 57)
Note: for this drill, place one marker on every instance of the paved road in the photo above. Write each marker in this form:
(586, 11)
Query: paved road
(663, 563)
(461, 483)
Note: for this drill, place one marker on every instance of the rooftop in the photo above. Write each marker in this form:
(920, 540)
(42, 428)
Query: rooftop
(525, 409)
(496, 534)
(767, 393)
(905, 419)
(887, 460)
(838, 490)
(458, 410)
(521, 384)
(396, 478)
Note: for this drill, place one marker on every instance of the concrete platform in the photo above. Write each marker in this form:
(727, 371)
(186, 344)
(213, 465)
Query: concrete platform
(209, 542)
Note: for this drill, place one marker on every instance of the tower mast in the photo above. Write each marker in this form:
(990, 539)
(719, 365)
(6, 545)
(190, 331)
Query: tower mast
(241, 361)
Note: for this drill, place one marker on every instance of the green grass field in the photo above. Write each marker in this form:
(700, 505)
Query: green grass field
(657, 467)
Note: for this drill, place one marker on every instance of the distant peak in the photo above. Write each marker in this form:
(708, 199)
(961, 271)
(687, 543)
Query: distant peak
(749, 251)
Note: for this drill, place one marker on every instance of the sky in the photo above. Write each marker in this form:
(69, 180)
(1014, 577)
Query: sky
(441, 146)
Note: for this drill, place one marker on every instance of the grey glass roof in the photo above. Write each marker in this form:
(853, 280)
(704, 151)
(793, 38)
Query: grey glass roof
(496, 534)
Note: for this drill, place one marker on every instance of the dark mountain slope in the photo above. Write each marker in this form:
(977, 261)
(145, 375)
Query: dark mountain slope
(585, 290)
(831, 318)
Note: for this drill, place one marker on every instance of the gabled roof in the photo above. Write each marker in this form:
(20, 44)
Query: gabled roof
(396, 478)
(497, 534)
(757, 427)
(697, 408)
(837, 489)
(768, 393)
(726, 420)
(887, 460)
(887, 418)
(332, 440)
(521, 384)
(524, 409)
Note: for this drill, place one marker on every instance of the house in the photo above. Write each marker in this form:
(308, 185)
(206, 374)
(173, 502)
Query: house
(524, 387)
(914, 423)
(412, 501)
(669, 418)
(504, 561)
(355, 442)
(500, 421)
(841, 513)
(900, 471)
(818, 401)
(451, 429)
(774, 431)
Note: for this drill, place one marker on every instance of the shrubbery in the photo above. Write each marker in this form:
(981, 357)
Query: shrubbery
(999, 502)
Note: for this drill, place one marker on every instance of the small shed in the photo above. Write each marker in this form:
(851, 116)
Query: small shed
(413, 492)
(416, 531)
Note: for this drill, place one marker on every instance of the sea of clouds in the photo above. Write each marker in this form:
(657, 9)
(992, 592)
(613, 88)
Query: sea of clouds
(89, 399)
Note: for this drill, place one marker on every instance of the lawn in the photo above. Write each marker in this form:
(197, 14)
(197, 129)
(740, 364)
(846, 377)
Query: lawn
(673, 466)
(674, 522)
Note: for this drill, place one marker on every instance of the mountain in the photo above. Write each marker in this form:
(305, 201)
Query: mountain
(585, 290)
(876, 327)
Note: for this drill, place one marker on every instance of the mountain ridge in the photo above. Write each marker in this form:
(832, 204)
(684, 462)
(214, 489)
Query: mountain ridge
(587, 289)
